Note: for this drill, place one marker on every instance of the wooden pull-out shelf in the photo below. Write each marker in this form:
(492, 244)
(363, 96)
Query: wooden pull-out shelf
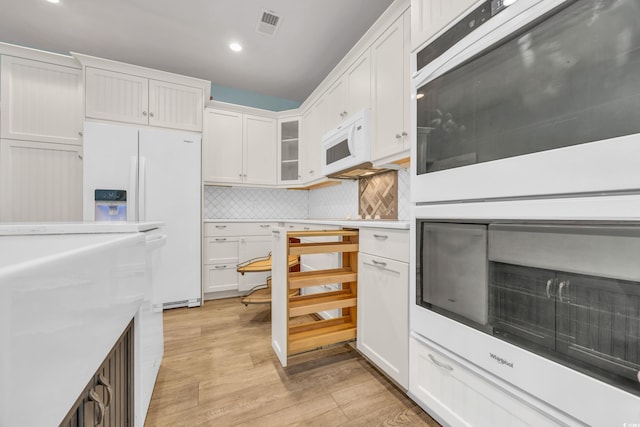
(303, 279)
(313, 334)
(316, 334)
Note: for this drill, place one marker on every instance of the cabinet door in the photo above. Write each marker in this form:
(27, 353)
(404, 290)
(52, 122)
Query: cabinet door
(390, 100)
(259, 152)
(40, 101)
(116, 96)
(175, 106)
(359, 85)
(40, 181)
(222, 147)
(383, 314)
(313, 125)
(250, 248)
(279, 296)
(289, 171)
(460, 397)
(336, 104)
(428, 17)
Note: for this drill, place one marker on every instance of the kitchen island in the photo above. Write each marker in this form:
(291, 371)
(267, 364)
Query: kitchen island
(67, 293)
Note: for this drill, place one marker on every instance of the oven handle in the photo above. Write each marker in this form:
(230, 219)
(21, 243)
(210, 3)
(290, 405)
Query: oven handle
(549, 282)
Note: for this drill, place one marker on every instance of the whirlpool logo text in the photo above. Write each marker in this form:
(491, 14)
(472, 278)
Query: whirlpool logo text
(501, 361)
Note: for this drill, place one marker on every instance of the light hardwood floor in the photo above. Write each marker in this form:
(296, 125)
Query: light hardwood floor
(219, 370)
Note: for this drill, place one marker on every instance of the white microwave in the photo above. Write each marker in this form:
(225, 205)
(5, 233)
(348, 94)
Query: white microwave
(537, 99)
(348, 146)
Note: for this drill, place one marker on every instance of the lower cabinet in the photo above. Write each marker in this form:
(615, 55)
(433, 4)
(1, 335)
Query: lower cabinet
(107, 400)
(383, 301)
(40, 181)
(457, 396)
(225, 246)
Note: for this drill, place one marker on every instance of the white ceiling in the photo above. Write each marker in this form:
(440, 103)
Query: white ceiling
(191, 37)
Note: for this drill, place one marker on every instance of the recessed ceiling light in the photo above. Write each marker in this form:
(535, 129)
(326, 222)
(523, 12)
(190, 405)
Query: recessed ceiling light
(54, 1)
(236, 47)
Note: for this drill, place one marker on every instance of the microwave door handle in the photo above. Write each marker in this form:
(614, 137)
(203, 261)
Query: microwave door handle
(350, 138)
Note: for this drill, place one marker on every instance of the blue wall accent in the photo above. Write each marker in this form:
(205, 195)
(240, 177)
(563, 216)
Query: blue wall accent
(251, 99)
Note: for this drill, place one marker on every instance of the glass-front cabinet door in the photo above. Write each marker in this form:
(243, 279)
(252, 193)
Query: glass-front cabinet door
(289, 171)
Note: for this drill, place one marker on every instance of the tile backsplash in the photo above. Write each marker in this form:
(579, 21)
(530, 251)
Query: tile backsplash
(254, 203)
(378, 196)
(338, 201)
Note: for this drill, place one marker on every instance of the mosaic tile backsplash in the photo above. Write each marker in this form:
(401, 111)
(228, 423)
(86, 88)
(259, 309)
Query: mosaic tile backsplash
(338, 201)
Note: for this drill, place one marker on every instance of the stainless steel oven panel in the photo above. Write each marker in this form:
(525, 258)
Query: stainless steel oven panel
(454, 268)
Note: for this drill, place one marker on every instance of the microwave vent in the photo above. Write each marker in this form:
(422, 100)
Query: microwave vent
(268, 24)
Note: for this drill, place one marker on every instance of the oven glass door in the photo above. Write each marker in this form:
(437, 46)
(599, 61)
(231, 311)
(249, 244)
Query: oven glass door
(564, 80)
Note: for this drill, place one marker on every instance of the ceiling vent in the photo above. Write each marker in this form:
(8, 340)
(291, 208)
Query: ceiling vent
(268, 24)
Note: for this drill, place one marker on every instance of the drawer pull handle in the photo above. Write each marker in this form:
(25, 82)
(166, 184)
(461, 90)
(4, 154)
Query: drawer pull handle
(221, 226)
(440, 364)
(276, 232)
(307, 228)
(103, 382)
(221, 239)
(379, 263)
(221, 266)
(265, 225)
(93, 396)
(381, 236)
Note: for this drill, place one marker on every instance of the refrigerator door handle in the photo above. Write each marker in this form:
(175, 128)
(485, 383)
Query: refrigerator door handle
(132, 207)
(142, 190)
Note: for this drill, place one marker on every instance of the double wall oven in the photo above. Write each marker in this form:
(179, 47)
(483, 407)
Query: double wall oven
(526, 197)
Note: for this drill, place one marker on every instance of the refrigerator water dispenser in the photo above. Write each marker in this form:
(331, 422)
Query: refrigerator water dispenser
(111, 205)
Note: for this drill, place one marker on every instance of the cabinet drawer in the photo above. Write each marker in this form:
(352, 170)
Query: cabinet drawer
(296, 226)
(219, 250)
(460, 397)
(386, 242)
(238, 228)
(220, 277)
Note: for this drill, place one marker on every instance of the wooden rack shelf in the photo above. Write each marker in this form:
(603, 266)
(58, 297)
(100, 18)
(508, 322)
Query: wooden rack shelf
(289, 336)
(303, 279)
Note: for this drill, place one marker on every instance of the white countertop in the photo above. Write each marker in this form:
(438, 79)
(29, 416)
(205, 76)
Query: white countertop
(349, 223)
(92, 227)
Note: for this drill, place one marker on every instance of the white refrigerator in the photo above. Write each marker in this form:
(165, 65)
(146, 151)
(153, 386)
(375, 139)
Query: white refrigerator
(160, 170)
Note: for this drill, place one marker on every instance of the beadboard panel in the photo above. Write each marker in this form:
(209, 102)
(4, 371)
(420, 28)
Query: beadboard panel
(172, 105)
(40, 101)
(40, 181)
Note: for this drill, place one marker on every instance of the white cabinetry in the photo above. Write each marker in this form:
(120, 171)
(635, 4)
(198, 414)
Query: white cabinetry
(123, 97)
(40, 101)
(349, 94)
(383, 301)
(428, 17)
(228, 244)
(40, 126)
(313, 127)
(238, 148)
(290, 167)
(390, 112)
(457, 396)
(40, 181)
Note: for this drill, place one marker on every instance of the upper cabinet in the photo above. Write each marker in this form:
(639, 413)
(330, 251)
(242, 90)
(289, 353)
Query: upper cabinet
(390, 112)
(238, 148)
(40, 101)
(428, 17)
(134, 99)
(313, 127)
(289, 171)
(350, 93)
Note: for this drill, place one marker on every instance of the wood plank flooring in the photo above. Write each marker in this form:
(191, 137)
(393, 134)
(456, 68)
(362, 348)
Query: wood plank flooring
(219, 370)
